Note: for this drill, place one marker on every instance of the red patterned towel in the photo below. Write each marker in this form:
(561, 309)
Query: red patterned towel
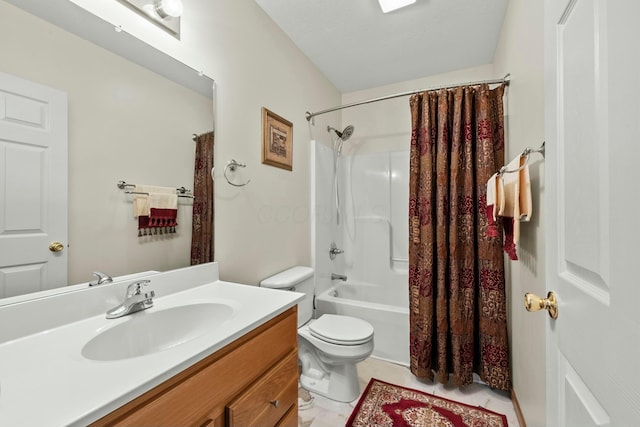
(162, 205)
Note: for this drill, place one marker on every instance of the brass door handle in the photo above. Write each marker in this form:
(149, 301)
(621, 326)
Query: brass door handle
(56, 247)
(534, 303)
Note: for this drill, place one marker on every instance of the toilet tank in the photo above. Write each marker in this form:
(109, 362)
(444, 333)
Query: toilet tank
(299, 279)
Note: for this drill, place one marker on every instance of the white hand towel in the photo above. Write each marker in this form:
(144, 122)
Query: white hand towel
(163, 200)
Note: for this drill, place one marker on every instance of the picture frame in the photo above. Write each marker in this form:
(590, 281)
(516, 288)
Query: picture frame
(277, 140)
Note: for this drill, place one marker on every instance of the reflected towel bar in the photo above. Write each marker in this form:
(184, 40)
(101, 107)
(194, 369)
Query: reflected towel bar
(182, 192)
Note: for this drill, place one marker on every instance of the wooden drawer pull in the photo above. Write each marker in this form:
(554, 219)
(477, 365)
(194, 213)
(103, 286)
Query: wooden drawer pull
(275, 402)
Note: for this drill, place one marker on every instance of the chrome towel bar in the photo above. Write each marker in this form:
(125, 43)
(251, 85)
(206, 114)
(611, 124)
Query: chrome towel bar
(182, 192)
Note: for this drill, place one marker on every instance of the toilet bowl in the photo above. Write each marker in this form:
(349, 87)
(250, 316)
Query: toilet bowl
(328, 347)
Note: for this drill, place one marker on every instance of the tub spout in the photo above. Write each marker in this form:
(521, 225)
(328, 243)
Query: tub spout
(335, 276)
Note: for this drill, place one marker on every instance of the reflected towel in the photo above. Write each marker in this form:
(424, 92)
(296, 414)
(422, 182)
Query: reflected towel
(163, 208)
(158, 209)
(156, 197)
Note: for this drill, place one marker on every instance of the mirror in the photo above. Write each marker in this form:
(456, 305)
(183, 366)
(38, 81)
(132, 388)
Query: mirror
(125, 122)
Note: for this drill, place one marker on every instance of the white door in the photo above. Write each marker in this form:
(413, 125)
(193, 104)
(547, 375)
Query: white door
(33, 187)
(592, 185)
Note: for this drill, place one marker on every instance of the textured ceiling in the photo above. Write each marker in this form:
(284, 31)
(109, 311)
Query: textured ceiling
(358, 47)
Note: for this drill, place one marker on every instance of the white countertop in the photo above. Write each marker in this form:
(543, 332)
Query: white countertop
(45, 380)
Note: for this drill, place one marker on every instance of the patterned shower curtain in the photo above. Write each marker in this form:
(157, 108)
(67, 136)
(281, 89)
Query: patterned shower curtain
(456, 273)
(202, 228)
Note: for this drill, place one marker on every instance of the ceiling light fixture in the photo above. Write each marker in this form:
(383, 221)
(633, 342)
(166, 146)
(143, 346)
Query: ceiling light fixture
(391, 5)
(164, 13)
(172, 8)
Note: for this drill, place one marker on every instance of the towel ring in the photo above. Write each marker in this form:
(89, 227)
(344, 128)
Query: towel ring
(232, 165)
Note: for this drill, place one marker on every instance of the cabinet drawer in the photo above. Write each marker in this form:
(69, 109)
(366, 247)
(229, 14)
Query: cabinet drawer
(269, 398)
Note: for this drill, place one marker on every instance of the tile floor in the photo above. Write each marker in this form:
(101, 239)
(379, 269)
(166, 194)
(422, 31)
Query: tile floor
(327, 413)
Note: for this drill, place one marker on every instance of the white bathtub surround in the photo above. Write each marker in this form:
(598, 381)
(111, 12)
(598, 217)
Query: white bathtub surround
(376, 188)
(323, 208)
(44, 368)
(327, 413)
(373, 232)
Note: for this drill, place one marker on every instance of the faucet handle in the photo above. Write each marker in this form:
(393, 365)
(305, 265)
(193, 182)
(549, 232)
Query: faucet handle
(100, 278)
(334, 250)
(135, 288)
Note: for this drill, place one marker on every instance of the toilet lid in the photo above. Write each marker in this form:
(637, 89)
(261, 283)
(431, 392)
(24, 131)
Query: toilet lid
(344, 330)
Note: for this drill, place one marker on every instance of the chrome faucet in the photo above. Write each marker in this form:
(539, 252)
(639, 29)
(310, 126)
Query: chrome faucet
(333, 251)
(135, 300)
(101, 278)
(335, 276)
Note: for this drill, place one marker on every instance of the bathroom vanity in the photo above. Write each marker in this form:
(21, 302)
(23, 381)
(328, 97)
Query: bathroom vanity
(251, 382)
(208, 353)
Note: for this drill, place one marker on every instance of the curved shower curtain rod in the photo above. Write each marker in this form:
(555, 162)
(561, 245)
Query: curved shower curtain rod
(506, 79)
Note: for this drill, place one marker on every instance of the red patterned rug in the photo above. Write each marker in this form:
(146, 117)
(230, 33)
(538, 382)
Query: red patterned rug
(384, 404)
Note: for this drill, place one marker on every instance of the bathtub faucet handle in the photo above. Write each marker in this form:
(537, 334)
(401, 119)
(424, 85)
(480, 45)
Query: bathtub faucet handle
(335, 276)
(334, 251)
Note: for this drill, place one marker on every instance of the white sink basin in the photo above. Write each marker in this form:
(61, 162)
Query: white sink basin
(150, 331)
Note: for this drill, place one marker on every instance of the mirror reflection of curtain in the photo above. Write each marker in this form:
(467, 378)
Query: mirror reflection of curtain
(202, 230)
(456, 272)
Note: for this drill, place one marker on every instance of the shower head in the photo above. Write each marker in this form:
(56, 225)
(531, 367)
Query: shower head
(345, 134)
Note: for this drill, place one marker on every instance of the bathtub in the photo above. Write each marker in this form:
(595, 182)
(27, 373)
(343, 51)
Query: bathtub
(387, 312)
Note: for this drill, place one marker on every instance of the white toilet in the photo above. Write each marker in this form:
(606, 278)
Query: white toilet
(328, 347)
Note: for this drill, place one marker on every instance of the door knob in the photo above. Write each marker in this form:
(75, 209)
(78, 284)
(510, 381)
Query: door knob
(56, 247)
(534, 303)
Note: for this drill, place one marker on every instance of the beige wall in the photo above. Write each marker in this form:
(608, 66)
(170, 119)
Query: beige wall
(125, 123)
(520, 52)
(264, 227)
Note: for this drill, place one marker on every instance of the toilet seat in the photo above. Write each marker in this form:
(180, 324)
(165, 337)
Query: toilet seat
(341, 330)
(334, 353)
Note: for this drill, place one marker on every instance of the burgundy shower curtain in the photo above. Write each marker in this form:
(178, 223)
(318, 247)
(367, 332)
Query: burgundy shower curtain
(202, 226)
(458, 322)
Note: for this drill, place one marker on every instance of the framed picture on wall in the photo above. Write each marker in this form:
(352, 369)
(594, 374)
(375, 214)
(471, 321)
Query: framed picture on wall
(277, 140)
